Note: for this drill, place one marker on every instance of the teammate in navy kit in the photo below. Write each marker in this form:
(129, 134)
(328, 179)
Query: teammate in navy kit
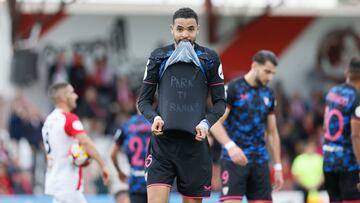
(342, 137)
(249, 127)
(183, 73)
(132, 138)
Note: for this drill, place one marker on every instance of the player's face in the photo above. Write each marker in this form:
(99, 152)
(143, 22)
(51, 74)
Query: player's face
(71, 97)
(184, 29)
(264, 73)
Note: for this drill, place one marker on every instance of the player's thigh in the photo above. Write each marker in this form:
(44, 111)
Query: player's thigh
(332, 186)
(69, 197)
(233, 181)
(159, 172)
(158, 194)
(348, 182)
(194, 169)
(259, 184)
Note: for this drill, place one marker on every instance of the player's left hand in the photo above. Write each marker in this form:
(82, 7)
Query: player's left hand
(202, 130)
(279, 180)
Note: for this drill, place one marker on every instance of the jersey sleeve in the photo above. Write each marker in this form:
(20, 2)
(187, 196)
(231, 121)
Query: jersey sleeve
(272, 102)
(355, 112)
(148, 89)
(119, 137)
(230, 94)
(151, 74)
(216, 86)
(216, 72)
(73, 125)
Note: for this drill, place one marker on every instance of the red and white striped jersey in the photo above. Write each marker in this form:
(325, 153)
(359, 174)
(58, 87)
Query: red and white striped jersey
(59, 131)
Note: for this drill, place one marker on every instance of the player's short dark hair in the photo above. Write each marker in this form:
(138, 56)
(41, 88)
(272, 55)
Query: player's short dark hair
(354, 65)
(54, 89)
(185, 13)
(265, 55)
(353, 70)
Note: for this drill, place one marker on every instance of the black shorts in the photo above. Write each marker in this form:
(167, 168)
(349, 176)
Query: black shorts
(178, 155)
(342, 186)
(138, 198)
(252, 180)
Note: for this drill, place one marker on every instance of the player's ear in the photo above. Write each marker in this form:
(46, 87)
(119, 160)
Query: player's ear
(253, 65)
(171, 28)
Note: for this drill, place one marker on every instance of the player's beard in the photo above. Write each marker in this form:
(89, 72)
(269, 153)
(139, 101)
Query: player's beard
(259, 82)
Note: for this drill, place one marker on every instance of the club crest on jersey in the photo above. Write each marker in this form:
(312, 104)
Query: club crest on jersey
(225, 190)
(77, 125)
(266, 101)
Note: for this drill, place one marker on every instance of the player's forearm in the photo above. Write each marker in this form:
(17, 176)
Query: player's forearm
(219, 132)
(273, 142)
(93, 153)
(145, 103)
(355, 139)
(114, 151)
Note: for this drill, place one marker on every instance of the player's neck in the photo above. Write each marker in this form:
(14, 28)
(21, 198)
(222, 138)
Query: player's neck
(355, 84)
(63, 107)
(250, 78)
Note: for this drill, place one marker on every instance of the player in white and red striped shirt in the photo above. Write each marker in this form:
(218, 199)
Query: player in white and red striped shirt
(61, 129)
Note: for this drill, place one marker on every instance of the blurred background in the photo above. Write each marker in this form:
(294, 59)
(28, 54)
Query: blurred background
(101, 48)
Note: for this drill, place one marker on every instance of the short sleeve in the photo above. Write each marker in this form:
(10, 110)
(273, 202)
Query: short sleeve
(151, 74)
(230, 93)
(356, 107)
(272, 102)
(73, 125)
(217, 74)
(119, 137)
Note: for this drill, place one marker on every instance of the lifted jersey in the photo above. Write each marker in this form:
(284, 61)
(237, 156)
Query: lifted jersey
(183, 88)
(246, 122)
(58, 135)
(182, 92)
(133, 137)
(342, 104)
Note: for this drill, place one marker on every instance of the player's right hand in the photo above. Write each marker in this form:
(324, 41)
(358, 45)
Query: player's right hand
(237, 155)
(157, 126)
(105, 175)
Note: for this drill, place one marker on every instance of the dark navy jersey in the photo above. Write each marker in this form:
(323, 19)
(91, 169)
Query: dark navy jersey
(342, 104)
(211, 70)
(246, 123)
(133, 138)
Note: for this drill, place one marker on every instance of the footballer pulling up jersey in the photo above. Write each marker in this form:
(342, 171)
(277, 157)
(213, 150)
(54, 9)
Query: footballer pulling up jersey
(342, 104)
(58, 135)
(133, 137)
(183, 89)
(246, 122)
